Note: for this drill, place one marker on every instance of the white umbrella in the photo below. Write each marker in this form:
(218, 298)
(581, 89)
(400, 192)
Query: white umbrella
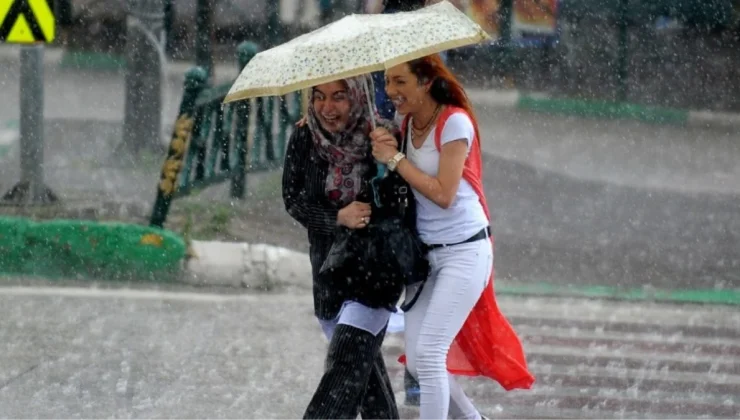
(355, 45)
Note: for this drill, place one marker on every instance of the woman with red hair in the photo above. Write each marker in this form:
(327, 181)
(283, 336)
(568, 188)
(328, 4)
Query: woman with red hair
(455, 325)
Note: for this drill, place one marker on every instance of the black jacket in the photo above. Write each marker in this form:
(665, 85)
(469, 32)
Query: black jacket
(304, 195)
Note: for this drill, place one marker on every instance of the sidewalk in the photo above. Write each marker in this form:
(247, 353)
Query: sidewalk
(180, 352)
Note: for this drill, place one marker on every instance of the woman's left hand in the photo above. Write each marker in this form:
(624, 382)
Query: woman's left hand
(384, 151)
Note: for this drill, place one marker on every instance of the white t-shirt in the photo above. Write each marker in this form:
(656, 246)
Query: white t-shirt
(465, 216)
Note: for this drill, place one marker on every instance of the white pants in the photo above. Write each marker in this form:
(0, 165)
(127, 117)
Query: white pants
(458, 277)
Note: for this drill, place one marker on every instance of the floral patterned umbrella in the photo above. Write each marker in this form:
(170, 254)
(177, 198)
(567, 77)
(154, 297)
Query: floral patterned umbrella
(355, 45)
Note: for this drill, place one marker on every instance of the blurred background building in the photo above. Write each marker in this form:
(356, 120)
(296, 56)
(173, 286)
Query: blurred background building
(680, 53)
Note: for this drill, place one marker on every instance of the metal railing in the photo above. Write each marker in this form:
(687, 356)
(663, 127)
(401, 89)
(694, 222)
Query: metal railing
(213, 143)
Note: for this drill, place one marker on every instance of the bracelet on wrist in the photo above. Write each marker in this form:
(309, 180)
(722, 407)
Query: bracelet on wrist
(395, 160)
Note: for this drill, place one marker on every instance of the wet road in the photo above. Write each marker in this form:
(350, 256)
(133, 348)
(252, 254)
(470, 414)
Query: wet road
(91, 353)
(559, 229)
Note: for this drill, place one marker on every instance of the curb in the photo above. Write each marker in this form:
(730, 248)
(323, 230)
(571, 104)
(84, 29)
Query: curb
(603, 109)
(268, 267)
(539, 102)
(237, 264)
(88, 250)
(92, 61)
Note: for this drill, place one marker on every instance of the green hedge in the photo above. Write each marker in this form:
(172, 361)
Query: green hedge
(90, 250)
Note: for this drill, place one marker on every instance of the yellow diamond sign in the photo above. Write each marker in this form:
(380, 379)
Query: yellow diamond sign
(26, 21)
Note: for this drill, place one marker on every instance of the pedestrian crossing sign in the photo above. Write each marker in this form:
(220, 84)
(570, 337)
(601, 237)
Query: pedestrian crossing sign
(26, 21)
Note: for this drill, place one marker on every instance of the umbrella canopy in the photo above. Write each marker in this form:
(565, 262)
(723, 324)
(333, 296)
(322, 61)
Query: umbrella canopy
(355, 45)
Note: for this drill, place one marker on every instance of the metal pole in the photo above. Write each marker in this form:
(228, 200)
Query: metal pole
(63, 12)
(32, 120)
(204, 29)
(506, 14)
(325, 11)
(274, 25)
(505, 17)
(31, 188)
(622, 57)
(169, 24)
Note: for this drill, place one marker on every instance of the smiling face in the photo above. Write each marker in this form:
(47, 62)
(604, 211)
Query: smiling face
(404, 89)
(332, 105)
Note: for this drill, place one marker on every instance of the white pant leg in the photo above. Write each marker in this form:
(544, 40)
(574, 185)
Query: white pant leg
(328, 326)
(459, 276)
(357, 315)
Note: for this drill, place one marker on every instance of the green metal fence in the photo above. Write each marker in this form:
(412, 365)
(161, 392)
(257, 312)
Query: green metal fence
(214, 143)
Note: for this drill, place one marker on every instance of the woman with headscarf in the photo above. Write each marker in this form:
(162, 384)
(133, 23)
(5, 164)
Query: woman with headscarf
(328, 166)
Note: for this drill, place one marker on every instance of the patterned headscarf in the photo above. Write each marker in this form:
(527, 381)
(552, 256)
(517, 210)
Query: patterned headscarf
(347, 152)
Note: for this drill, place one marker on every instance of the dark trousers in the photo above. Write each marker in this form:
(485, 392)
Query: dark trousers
(355, 380)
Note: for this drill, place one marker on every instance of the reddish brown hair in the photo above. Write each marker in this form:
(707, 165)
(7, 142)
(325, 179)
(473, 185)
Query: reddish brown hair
(445, 89)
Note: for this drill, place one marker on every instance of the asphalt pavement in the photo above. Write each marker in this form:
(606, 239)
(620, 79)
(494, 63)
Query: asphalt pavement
(177, 352)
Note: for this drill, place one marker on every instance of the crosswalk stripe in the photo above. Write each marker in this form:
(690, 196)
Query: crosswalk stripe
(517, 412)
(535, 352)
(634, 395)
(655, 337)
(626, 327)
(642, 374)
(575, 379)
(594, 345)
(609, 312)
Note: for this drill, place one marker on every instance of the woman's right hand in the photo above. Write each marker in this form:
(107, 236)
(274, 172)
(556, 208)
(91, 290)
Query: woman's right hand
(302, 121)
(356, 215)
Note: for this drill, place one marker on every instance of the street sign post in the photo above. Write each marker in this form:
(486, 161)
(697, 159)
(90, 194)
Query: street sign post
(31, 23)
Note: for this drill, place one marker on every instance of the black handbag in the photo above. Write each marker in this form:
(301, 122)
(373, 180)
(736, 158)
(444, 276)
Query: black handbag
(373, 265)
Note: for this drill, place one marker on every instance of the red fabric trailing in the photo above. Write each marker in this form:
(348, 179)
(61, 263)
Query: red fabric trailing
(487, 344)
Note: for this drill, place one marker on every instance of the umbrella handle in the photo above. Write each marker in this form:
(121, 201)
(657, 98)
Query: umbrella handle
(381, 169)
(370, 101)
(373, 123)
